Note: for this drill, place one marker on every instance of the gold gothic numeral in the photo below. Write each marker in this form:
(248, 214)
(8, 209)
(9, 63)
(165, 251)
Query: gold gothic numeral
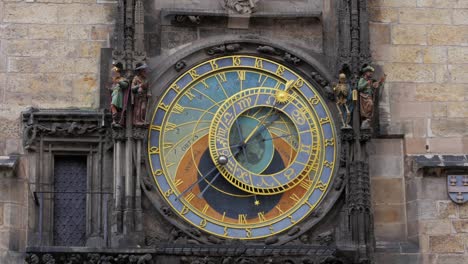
(168, 192)
(193, 73)
(272, 230)
(248, 232)
(214, 66)
(321, 186)
(314, 100)
(280, 70)
(324, 120)
(154, 150)
(176, 88)
(328, 164)
(329, 142)
(203, 223)
(163, 106)
(298, 83)
(225, 231)
(258, 63)
(157, 172)
(184, 210)
(288, 173)
(236, 60)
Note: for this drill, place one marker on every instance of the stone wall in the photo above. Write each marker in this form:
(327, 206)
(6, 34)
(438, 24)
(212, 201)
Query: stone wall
(422, 46)
(49, 58)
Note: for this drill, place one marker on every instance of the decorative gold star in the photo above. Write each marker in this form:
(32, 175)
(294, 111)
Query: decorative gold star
(257, 202)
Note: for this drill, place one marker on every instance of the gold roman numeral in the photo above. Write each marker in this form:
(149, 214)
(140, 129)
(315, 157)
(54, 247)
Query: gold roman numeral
(189, 197)
(261, 217)
(205, 84)
(189, 95)
(178, 109)
(294, 197)
(178, 182)
(205, 208)
(241, 75)
(242, 219)
(221, 77)
(306, 184)
(170, 126)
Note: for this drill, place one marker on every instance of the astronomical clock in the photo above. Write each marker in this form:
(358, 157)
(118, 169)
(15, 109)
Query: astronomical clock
(242, 147)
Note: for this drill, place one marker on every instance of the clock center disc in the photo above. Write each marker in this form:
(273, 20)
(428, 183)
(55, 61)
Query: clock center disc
(257, 154)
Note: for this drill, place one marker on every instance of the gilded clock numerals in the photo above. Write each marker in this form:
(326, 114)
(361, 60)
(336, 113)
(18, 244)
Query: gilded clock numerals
(203, 223)
(261, 217)
(194, 74)
(306, 184)
(214, 65)
(236, 60)
(242, 219)
(241, 75)
(280, 70)
(178, 109)
(178, 182)
(189, 95)
(258, 63)
(248, 232)
(184, 210)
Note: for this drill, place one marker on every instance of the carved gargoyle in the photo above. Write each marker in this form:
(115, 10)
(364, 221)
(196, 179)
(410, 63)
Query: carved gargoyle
(240, 6)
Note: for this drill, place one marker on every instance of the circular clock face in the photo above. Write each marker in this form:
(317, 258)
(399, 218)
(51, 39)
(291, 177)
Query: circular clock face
(242, 147)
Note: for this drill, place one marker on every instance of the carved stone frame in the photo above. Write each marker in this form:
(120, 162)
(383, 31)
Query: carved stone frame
(67, 132)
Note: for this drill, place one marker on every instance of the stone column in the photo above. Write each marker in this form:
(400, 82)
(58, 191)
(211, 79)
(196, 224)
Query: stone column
(119, 137)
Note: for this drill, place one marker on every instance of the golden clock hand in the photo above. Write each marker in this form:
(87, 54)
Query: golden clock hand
(258, 125)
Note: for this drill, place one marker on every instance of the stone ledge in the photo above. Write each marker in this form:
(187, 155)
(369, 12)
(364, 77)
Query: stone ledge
(439, 161)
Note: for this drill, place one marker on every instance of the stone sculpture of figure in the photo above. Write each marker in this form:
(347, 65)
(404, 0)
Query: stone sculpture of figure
(241, 6)
(141, 95)
(119, 96)
(368, 88)
(343, 94)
